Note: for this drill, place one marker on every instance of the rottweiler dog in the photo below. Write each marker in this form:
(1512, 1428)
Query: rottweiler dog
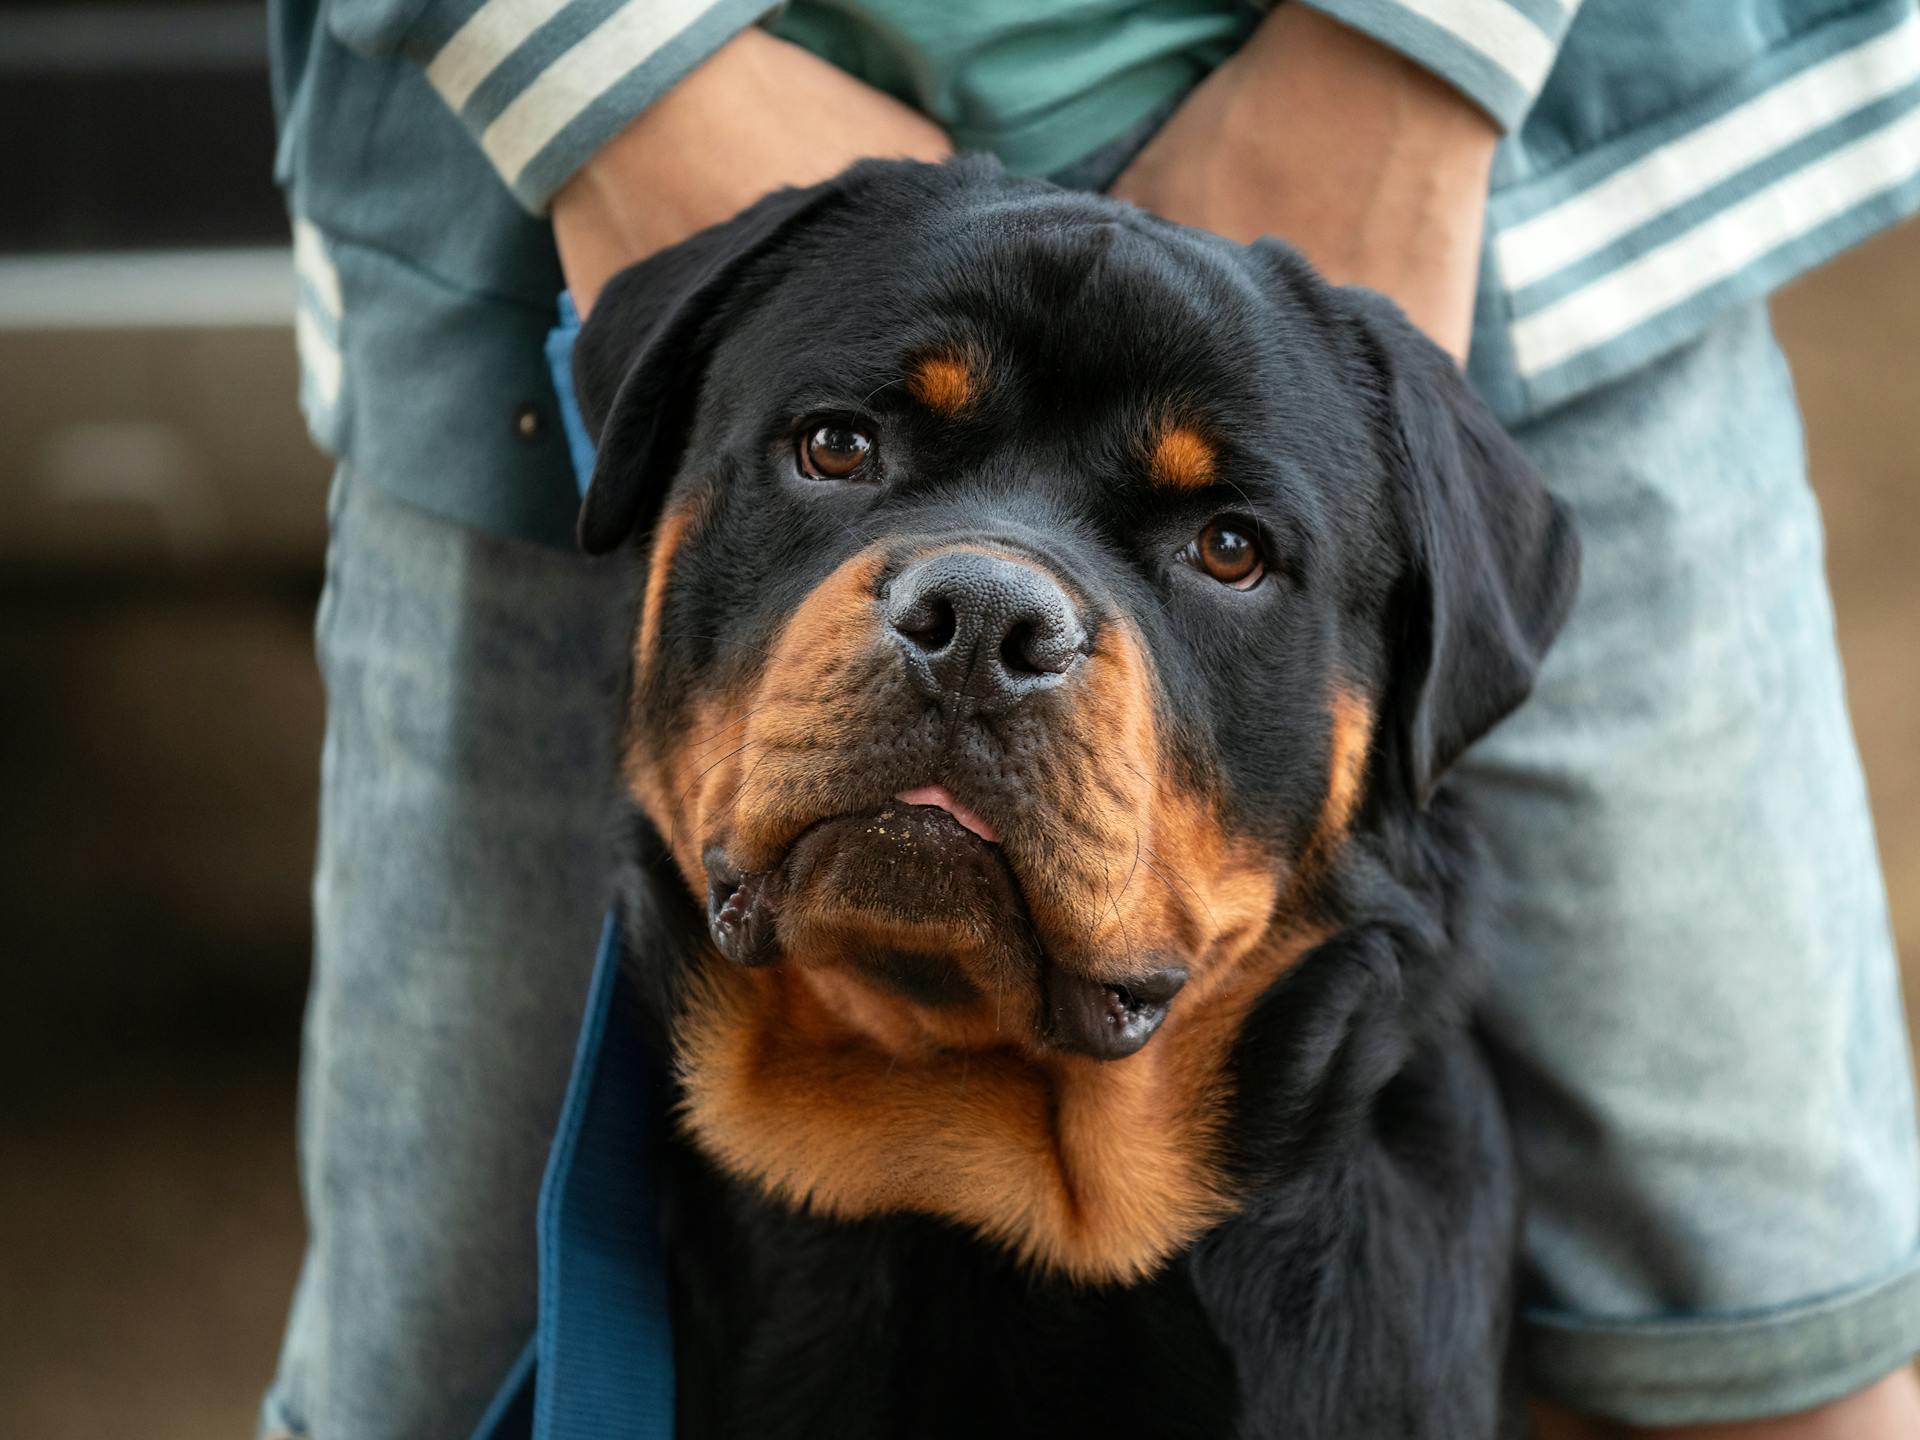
(1054, 626)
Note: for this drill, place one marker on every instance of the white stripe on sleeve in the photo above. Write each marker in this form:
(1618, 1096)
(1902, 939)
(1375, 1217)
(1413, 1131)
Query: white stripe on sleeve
(1500, 33)
(1719, 248)
(581, 75)
(312, 264)
(1694, 163)
(319, 359)
(475, 50)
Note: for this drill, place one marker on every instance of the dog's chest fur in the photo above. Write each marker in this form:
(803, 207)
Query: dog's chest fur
(1326, 1311)
(1360, 1293)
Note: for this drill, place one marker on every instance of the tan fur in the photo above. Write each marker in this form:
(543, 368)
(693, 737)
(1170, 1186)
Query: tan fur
(668, 537)
(808, 703)
(943, 383)
(687, 784)
(1097, 1170)
(1182, 458)
(834, 1005)
(1350, 749)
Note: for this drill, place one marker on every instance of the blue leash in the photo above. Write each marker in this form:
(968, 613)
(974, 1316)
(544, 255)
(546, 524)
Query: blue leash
(560, 366)
(600, 1365)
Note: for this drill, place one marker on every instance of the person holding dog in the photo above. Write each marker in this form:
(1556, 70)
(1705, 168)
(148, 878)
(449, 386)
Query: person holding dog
(1697, 1013)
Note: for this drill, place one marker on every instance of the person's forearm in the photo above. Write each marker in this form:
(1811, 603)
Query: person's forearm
(1889, 1410)
(1375, 169)
(760, 114)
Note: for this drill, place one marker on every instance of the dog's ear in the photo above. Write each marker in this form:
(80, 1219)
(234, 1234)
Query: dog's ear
(639, 360)
(1492, 562)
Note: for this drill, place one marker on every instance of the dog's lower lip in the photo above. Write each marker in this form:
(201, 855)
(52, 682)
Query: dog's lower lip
(942, 798)
(740, 916)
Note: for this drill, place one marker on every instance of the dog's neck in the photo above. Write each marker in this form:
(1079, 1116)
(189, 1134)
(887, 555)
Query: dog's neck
(1100, 1170)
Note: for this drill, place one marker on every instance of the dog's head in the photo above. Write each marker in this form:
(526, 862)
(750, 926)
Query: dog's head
(1038, 597)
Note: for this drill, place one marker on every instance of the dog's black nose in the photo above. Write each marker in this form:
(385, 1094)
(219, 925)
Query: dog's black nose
(983, 626)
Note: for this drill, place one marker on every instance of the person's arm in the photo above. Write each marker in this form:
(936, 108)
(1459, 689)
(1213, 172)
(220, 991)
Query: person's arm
(1371, 164)
(759, 115)
(541, 85)
(638, 123)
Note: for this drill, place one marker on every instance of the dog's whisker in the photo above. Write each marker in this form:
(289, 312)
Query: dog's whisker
(1127, 884)
(747, 778)
(1247, 500)
(740, 749)
(1160, 875)
(1113, 903)
(673, 832)
(706, 741)
(867, 399)
(1154, 863)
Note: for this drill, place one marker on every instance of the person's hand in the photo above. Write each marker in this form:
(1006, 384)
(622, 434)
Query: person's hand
(758, 115)
(1372, 167)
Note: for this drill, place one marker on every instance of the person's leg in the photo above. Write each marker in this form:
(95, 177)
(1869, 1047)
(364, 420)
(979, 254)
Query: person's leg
(1697, 1009)
(462, 872)
(1889, 1409)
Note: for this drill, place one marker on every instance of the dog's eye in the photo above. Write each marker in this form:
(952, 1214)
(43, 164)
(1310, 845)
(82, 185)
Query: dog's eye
(834, 451)
(1228, 553)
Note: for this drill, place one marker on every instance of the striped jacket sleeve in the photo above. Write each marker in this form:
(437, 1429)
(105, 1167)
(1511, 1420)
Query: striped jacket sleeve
(1497, 52)
(543, 84)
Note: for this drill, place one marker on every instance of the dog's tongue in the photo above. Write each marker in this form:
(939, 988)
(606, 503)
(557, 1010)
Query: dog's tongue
(942, 798)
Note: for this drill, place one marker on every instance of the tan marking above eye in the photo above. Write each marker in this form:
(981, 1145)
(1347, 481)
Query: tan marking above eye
(1182, 458)
(942, 383)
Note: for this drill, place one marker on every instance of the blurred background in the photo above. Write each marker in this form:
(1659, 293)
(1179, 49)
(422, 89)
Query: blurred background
(161, 541)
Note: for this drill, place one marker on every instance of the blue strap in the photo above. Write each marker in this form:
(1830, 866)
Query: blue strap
(560, 365)
(604, 1353)
(601, 1362)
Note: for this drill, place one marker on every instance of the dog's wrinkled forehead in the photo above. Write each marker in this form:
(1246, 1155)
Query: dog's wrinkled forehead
(1070, 326)
(1065, 325)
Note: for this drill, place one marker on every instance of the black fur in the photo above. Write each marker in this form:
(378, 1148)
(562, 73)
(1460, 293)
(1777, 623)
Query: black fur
(1363, 1291)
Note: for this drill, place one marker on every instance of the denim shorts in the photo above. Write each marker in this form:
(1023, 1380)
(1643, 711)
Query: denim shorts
(1696, 1014)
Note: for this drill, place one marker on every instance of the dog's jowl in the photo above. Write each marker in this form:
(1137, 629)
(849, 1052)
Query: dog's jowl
(1056, 628)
